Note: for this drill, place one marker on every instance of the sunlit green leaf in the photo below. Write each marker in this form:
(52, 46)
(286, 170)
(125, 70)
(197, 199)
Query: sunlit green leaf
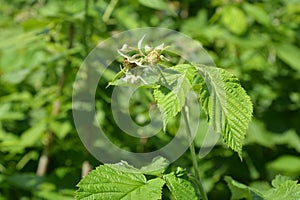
(227, 104)
(289, 54)
(171, 98)
(234, 19)
(180, 188)
(283, 189)
(156, 4)
(257, 12)
(106, 182)
(286, 164)
(156, 167)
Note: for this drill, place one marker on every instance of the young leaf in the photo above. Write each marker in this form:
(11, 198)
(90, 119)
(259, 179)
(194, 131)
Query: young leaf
(228, 106)
(286, 164)
(257, 13)
(234, 19)
(188, 70)
(289, 54)
(170, 100)
(240, 191)
(155, 4)
(180, 188)
(111, 182)
(117, 77)
(283, 189)
(156, 167)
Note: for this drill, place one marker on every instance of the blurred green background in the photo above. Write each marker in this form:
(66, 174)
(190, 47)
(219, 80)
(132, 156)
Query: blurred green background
(43, 43)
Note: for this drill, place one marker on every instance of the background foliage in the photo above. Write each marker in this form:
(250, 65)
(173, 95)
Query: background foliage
(44, 42)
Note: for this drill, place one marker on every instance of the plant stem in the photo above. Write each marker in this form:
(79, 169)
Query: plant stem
(85, 26)
(162, 75)
(111, 6)
(192, 146)
(194, 156)
(45, 157)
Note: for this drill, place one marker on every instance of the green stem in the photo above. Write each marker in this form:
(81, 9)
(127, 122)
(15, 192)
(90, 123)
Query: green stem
(194, 156)
(163, 77)
(109, 10)
(197, 179)
(85, 26)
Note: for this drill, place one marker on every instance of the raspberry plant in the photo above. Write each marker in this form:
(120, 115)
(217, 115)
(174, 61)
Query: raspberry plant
(225, 102)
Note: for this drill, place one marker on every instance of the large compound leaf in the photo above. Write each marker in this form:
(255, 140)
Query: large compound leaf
(228, 106)
(111, 182)
(180, 188)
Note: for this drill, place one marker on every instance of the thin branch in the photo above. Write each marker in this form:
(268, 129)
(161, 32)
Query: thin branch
(111, 6)
(44, 159)
(193, 154)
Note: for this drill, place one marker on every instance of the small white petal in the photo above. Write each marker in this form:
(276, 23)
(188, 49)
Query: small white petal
(140, 42)
(129, 78)
(139, 63)
(160, 47)
(122, 54)
(147, 48)
(124, 47)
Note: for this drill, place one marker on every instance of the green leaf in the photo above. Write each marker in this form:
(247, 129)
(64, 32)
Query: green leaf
(279, 179)
(60, 129)
(240, 191)
(234, 19)
(17, 76)
(6, 112)
(258, 134)
(110, 182)
(180, 188)
(227, 104)
(156, 167)
(283, 189)
(171, 100)
(188, 70)
(192, 24)
(155, 4)
(116, 78)
(33, 135)
(289, 54)
(287, 164)
(258, 13)
(27, 181)
(127, 18)
(50, 195)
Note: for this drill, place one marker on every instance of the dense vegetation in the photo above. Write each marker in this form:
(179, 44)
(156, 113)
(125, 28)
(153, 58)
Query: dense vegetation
(43, 44)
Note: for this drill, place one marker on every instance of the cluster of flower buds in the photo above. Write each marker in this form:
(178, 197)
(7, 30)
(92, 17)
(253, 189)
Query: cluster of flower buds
(141, 56)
